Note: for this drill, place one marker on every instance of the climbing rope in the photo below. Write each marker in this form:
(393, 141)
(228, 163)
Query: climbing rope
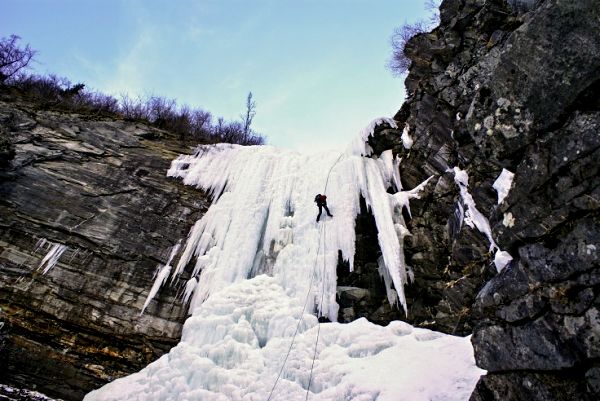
(306, 301)
(322, 285)
(297, 326)
(321, 308)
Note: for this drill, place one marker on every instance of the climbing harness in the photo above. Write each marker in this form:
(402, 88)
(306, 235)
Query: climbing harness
(306, 301)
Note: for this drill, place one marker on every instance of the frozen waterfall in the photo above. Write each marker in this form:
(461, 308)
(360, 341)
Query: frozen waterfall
(261, 268)
(263, 219)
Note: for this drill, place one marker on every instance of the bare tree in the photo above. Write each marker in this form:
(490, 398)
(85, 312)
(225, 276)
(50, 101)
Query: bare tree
(250, 113)
(133, 108)
(12, 57)
(201, 124)
(160, 110)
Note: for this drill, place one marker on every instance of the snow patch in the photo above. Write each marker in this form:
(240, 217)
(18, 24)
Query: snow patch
(508, 220)
(501, 260)
(474, 219)
(503, 184)
(407, 141)
(590, 248)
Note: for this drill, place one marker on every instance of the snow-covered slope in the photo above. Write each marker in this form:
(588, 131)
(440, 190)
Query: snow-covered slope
(263, 269)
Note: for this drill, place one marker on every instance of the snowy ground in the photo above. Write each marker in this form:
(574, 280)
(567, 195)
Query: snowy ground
(264, 269)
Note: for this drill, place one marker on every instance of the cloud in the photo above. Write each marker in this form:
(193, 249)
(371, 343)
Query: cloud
(132, 67)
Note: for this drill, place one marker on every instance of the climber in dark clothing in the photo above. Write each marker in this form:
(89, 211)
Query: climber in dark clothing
(321, 201)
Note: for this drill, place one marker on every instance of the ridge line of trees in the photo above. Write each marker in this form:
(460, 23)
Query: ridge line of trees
(51, 91)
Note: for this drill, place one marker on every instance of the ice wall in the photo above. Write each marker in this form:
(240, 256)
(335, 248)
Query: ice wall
(262, 219)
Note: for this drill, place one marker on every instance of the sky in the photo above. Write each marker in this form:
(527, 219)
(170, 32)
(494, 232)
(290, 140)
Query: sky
(316, 68)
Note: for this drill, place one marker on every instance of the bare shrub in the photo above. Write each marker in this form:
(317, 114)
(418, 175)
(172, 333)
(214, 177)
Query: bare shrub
(160, 110)
(13, 58)
(433, 7)
(101, 103)
(201, 122)
(45, 90)
(133, 109)
(399, 62)
(190, 124)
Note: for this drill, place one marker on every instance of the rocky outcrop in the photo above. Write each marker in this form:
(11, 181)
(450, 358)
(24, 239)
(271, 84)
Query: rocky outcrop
(491, 89)
(93, 193)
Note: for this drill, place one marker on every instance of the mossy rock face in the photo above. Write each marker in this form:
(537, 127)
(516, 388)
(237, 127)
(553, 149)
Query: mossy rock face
(98, 187)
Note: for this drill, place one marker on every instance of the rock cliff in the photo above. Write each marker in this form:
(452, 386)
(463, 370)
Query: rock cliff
(493, 88)
(93, 193)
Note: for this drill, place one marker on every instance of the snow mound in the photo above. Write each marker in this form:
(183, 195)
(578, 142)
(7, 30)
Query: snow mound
(233, 347)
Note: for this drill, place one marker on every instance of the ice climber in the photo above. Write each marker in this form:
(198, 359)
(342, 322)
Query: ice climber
(321, 201)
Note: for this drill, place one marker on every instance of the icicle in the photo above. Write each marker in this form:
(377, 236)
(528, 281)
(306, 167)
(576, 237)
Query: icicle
(52, 257)
(391, 294)
(190, 287)
(396, 173)
(161, 277)
(402, 198)
(474, 219)
(40, 244)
